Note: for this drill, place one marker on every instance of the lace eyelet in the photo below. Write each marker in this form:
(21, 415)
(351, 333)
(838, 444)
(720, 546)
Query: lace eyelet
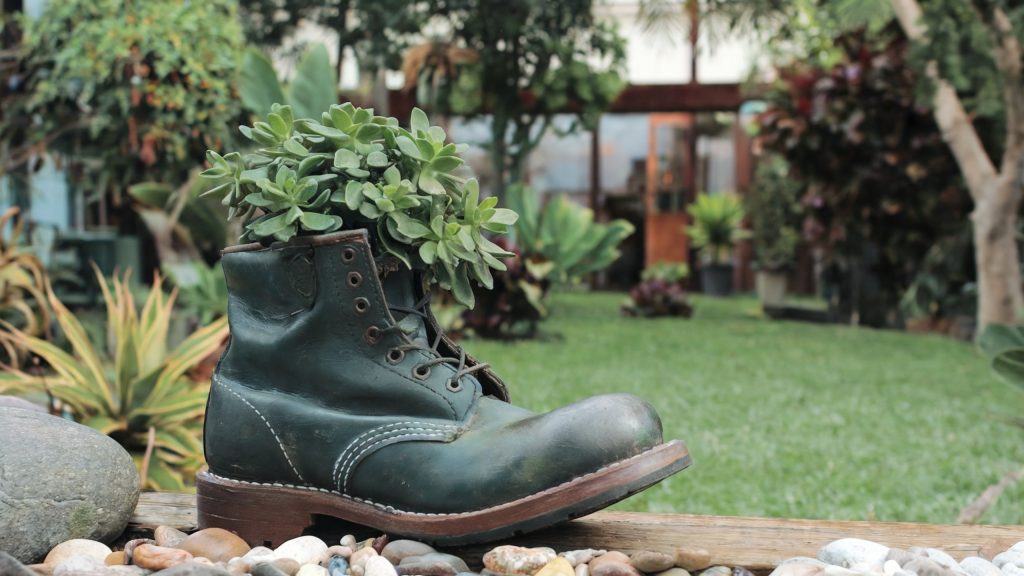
(355, 279)
(348, 255)
(362, 305)
(453, 386)
(395, 356)
(421, 372)
(372, 335)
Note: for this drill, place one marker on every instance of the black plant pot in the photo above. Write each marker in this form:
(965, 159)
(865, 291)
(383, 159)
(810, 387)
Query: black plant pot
(716, 279)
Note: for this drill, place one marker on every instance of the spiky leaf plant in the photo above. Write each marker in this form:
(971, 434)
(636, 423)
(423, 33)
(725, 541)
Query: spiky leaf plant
(129, 386)
(351, 169)
(716, 225)
(22, 281)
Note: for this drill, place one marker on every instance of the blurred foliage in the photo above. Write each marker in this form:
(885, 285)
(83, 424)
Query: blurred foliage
(202, 291)
(128, 385)
(378, 31)
(313, 88)
(944, 286)
(530, 60)
(559, 243)
(1004, 347)
(661, 292)
(716, 226)
(773, 203)
(882, 186)
(127, 91)
(22, 288)
(185, 226)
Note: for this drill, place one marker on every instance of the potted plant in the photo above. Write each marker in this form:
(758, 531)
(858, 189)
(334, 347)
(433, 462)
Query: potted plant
(661, 292)
(773, 205)
(714, 231)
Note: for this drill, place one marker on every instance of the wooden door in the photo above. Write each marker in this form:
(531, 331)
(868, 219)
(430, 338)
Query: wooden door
(670, 181)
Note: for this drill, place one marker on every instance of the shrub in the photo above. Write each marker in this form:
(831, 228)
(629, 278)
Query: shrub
(22, 287)
(716, 226)
(129, 386)
(661, 292)
(773, 203)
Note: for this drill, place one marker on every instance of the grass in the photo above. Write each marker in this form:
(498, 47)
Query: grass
(786, 419)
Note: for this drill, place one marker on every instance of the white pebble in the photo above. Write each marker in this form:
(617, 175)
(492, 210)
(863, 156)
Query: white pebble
(76, 547)
(81, 564)
(1018, 547)
(850, 551)
(350, 541)
(1012, 570)
(577, 557)
(942, 559)
(800, 566)
(891, 567)
(1011, 556)
(258, 552)
(978, 566)
(304, 550)
(312, 570)
(379, 566)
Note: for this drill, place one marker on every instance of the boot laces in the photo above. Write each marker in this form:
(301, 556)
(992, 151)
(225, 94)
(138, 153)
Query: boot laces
(404, 329)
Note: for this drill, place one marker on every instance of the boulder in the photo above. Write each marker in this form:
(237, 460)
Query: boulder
(59, 481)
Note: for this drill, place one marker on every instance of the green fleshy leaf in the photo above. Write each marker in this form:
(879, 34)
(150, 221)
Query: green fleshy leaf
(377, 159)
(353, 194)
(320, 222)
(409, 148)
(429, 184)
(428, 252)
(418, 121)
(294, 147)
(344, 159)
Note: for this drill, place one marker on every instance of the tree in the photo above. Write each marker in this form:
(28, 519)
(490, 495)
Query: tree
(125, 91)
(996, 191)
(533, 59)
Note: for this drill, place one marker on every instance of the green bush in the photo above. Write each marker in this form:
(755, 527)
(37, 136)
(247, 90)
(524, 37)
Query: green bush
(774, 207)
(716, 226)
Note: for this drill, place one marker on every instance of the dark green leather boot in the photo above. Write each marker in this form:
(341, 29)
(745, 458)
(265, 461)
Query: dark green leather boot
(339, 396)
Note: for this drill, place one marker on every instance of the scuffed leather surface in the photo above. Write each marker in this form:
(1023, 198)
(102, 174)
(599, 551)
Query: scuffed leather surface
(302, 397)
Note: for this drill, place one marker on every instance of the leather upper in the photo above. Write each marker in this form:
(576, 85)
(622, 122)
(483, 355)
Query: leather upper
(312, 391)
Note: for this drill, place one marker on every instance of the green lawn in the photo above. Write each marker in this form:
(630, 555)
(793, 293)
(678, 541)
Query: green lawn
(786, 419)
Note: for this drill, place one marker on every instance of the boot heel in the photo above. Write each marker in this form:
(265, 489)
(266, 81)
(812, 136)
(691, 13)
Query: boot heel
(257, 514)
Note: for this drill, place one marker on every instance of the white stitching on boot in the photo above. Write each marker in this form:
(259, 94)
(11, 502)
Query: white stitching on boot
(347, 456)
(269, 427)
(379, 440)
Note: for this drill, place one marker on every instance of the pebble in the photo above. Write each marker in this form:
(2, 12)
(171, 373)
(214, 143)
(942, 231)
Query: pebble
(832, 570)
(239, 566)
(380, 542)
(577, 557)
(692, 558)
(378, 566)
(115, 558)
(397, 550)
(891, 567)
(80, 565)
(304, 550)
(457, 564)
(286, 565)
(217, 544)
(717, 571)
(192, 569)
(977, 566)
(849, 551)
(614, 569)
(800, 567)
(342, 551)
(350, 541)
(168, 536)
(258, 552)
(557, 567)
(437, 568)
(338, 565)
(924, 566)
(938, 556)
(266, 569)
(646, 561)
(1012, 570)
(129, 548)
(900, 556)
(518, 560)
(359, 557)
(153, 557)
(613, 556)
(10, 566)
(741, 571)
(1011, 556)
(312, 570)
(584, 570)
(674, 572)
(77, 547)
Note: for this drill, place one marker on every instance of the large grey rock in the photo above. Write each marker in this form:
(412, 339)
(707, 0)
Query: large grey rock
(60, 480)
(15, 402)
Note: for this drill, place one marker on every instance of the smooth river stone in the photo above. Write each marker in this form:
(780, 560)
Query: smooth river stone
(518, 560)
(923, 566)
(1009, 557)
(800, 567)
(192, 569)
(978, 566)
(217, 544)
(378, 566)
(850, 551)
(692, 559)
(398, 550)
(77, 547)
(359, 557)
(614, 569)
(577, 557)
(646, 561)
(169, 537)
(9, 565)
(312, 570)
(457, 564)
(557, 567)
(613, 556)
(304, 550)
(153, 557)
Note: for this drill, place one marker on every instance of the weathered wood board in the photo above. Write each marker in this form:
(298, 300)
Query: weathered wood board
(756, 543)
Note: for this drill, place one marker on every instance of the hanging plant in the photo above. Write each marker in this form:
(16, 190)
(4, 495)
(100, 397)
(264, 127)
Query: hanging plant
(353, 170)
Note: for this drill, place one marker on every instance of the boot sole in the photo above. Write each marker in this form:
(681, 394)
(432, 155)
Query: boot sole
(269, 514)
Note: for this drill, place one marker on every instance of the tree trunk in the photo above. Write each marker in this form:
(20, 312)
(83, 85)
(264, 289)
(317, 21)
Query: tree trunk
(996, 194)
(996, 254)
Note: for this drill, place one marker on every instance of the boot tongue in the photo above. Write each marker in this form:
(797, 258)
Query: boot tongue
(400, 289)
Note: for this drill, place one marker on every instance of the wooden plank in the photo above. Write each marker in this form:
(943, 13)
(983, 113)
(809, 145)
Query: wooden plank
(756, 543)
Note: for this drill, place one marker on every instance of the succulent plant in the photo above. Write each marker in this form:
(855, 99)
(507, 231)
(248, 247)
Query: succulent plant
(352, 169)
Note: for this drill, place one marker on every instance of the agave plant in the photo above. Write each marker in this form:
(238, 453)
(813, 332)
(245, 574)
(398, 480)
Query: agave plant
(716, 225)
(130, 386)
(22, 281)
